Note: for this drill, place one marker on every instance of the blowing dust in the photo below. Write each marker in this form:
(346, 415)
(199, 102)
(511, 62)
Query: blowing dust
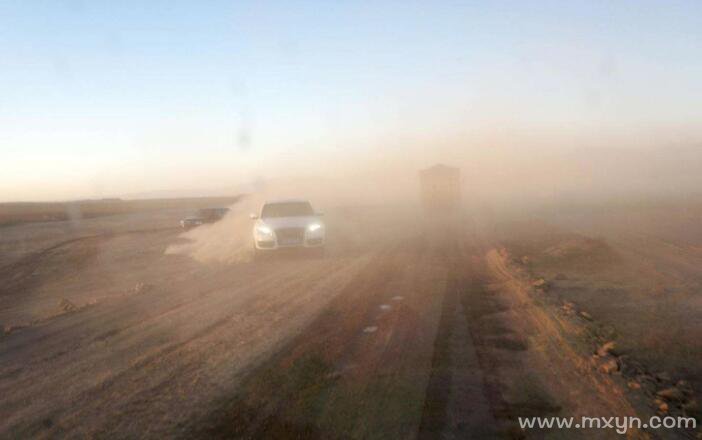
(504, 179)
(226, 241)
(230, 239)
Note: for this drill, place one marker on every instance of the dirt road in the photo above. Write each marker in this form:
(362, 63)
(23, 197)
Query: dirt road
(142, 361)
(425, 333)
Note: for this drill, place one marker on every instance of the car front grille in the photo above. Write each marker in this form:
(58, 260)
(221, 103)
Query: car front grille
(290, 236)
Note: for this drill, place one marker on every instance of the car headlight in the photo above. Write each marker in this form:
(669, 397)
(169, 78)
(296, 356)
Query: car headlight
(264, 230)
(313, 227)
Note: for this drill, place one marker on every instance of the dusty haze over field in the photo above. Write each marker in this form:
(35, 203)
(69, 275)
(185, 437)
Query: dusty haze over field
(489, 174)
(567, 282)
(529, 100)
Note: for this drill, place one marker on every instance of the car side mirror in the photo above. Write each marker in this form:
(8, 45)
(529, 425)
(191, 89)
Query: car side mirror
(253, 216)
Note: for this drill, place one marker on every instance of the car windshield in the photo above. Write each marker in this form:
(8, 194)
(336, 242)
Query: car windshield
(287, 209)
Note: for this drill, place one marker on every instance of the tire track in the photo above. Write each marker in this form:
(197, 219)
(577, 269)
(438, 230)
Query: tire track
(330, 358)
(180, 359)
(462, 397)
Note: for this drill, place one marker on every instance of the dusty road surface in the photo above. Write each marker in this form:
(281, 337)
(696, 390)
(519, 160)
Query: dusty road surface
(415, 330)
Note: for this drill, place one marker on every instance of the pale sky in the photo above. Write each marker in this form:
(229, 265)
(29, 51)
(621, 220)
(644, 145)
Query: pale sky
(100, 99)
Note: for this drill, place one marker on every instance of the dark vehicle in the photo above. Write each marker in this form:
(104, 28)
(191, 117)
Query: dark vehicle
(206, 215)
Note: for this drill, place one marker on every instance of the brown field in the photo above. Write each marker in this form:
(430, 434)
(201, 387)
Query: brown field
(24, 212)
(408, 328)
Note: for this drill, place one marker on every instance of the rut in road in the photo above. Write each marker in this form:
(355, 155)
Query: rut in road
(465, 395)
(456, 404)
(337, 381)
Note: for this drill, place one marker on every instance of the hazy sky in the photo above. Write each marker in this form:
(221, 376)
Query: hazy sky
(105, 98)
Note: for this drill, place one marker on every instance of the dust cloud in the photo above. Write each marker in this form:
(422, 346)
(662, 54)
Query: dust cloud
(230, 239)
(499, 178)
(226, 241)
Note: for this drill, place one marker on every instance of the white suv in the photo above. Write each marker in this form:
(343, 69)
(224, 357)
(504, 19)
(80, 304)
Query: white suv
(288, 224)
